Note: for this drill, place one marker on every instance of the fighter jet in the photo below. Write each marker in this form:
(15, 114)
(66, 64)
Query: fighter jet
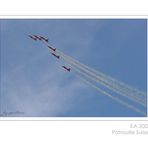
(32, 37)
(68, 69)
(37, 37)
(54, 49)
(45, 39)
(55, 55)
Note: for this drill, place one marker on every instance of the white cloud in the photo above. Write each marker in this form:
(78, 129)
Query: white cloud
(50, 96)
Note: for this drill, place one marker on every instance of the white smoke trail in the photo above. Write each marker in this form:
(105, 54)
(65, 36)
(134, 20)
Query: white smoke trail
(102, 91)
(88, 76)
(115, 85)
(123, 85)
(96, 79)
(116, 82)
(104, 80)
(113, 97)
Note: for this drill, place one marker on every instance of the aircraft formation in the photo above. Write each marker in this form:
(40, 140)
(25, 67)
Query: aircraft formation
(36, 37)
(93, 77)
(53, 50)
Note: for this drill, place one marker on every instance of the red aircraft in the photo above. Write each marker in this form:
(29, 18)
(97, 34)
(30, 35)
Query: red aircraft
(68, 69)
(37, 37)
(55, 55)
(45, 39)
(54, 49)
(32, 37)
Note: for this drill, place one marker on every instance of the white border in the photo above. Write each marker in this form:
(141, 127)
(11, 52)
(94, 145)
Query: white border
(76, 118)
(73, 16)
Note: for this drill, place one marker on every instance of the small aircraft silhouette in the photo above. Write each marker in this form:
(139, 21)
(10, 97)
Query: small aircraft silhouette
(45, 39)
(32, 37)
(36, 37)
(55, 55)
(54, 49)
(68, 69)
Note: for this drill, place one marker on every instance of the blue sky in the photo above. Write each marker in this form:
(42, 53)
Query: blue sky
(32, 81)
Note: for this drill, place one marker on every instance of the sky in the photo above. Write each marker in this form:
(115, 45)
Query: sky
(33, 82)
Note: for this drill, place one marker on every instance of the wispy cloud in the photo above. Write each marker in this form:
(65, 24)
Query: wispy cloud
(47, 97)
(34, 82)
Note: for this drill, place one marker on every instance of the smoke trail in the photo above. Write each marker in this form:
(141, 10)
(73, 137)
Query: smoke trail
(113, 97)
(115, 82)
(92, 78)
(104, 92)
(121, 89)
(104, 80)
(121, 84)
(96, 79)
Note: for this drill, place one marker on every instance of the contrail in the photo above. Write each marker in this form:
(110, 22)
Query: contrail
(98, 79)
(104, 92)
(107, 81)
(104, 81)
(112, 97)
(116, 84)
